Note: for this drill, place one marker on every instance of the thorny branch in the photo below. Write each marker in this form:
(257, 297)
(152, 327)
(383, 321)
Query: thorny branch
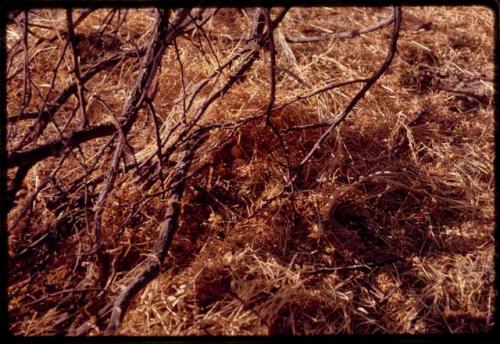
(179, 130)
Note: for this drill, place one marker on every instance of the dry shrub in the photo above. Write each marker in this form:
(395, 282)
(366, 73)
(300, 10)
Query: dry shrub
(407, 179)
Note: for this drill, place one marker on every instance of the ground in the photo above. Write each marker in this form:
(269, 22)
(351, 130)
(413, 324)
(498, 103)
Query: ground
(390, 228)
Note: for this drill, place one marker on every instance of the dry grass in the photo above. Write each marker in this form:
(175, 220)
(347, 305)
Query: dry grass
(408, 174)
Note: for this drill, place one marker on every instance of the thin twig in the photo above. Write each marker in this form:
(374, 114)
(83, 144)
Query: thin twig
(76, 67)
(342, 35)
(340, 118)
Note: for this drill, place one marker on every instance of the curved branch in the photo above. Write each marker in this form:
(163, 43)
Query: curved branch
(383, 68)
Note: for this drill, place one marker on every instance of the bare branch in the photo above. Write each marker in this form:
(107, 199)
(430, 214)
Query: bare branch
(342, 35)
(166, 232)
(380, 71)
(76, 67)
